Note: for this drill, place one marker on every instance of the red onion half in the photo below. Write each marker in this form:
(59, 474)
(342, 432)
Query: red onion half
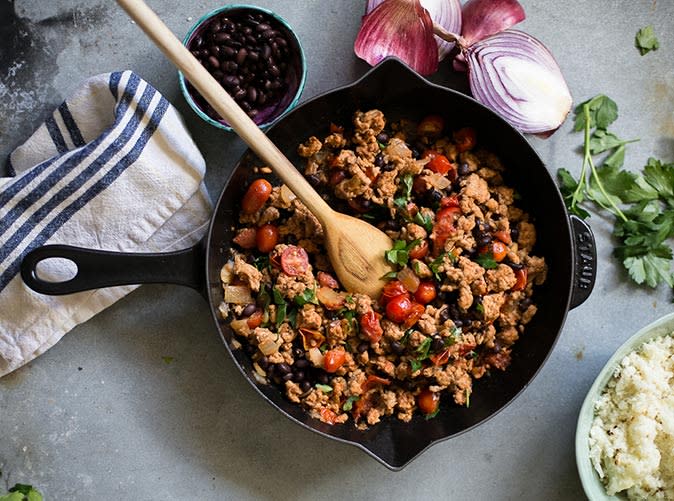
(516, 76)
(482, 18)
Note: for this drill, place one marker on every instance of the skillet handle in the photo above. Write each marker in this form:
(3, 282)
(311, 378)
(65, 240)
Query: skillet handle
(99, 268)
(584, 261)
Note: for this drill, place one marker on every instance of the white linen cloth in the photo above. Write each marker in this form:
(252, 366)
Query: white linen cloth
(113, 168)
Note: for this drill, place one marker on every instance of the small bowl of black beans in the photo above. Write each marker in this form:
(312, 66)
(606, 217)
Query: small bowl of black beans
(256, 57)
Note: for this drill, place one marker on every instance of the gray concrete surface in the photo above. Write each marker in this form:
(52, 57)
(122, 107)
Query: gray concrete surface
(102, 416)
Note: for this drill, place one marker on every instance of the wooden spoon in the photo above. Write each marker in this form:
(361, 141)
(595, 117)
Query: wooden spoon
(355, 248)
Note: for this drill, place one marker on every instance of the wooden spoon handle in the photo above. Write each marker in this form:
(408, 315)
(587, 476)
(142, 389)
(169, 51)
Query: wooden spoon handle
(218, 98)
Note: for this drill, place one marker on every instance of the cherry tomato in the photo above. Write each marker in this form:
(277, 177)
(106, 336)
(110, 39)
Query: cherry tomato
(255, 320)
(392, 289)
(245, 238)
(431, 125)
(266, 237)
(425, 292)
(503, 236)
(428, 401)
(328, 416)
(499, 250)
(465, 139)
(294, 260)
(521, 283)
(444, 227)
(399, 308)
(419, 251)
(327, 280)
(333, 359)
(373, 381)
(415, 314)
(440, 164)
(361, 406)
(466, 348)
(440, 358)
(337, 177)
(452, 201)
(371, 327)
(257, 194)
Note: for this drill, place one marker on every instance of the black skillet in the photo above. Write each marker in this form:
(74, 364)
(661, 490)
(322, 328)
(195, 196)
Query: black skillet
(565, 241)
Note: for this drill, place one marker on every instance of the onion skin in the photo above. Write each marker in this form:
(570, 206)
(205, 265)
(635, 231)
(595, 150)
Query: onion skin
(515, 75)
(483, 18)
(401, 28)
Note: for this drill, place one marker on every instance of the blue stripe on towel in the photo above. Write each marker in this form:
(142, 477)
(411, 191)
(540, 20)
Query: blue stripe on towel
(56, 136)
(64, 193)
(70, 124)
(94, 190)
(67, 166)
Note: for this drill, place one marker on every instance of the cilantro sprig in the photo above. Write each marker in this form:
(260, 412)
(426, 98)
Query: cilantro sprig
(646, 40)
(400, 253)
(642, 204)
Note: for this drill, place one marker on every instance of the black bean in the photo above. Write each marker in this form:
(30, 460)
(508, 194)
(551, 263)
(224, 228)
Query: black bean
(263, 362)
(515, 266)
(288, 377)
(198, 42)
(382, 137)
(252, 94)
(525, 303)
(444, 315)
(274, 71)
(283, 368)
(247, 30)
(239, 95)
(228, 51)
(214, 27)
(463, 169)
(281, 41)
(298, 352)
(305, 386)
(415, 153)
(301, 363)
(390, 225)
(230, 81)
(323, 377)
(362, 347)
(217, 74)
(313, 179)
(514, 234)
(230, 66)
(261, 98)
(434, 196)
(241, 55)
(397, 347)
(268, 34)
(299, 376)
(249, 310)
(387, 167)
(379, 160)
(485, 239)
(245, 106)
(266, 51)
(262, 27)
(214, 50)
(213, 61)
(437, 344)
(250, 349)
(458, 323)
(221, 37)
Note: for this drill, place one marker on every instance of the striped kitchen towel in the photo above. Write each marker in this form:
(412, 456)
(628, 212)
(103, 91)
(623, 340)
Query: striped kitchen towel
(113, 168)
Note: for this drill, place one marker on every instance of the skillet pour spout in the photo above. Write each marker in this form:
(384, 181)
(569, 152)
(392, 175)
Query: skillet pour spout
(566, 243)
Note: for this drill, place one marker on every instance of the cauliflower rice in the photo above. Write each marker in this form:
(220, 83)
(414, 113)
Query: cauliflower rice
(632, 435)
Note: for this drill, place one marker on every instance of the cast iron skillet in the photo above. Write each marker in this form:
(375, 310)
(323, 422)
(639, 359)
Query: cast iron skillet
(566, 243)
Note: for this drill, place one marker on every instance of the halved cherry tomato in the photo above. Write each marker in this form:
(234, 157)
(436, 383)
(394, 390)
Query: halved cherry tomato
(257, 194)
(521, 283)
(415, 314)
(333, 359)
(311, 338)
(499, 250)
(431, 125)
(373, 381)
(328, 416)
(399, 308)
(371, 327)
(466, 348)
(245, 238)
(266, 237)
(392, 289)
(425, 293)
(503, 236)
(294, 260)
(440, 358)
(444, 227)
(255, 320)
(428, 401)
(419, 251)
(442, 165)
(452, 201)
(327, 280)
(465, 139)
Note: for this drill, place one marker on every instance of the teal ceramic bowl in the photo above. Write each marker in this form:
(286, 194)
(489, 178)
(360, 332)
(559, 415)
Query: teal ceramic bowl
(292, 76)
(594, 489)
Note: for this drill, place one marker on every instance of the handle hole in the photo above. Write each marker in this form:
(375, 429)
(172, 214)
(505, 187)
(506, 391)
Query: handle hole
(55, 270)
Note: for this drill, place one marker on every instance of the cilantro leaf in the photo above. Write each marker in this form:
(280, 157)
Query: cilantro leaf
(486, 260)
(603, 112)
(661, 177)
(645, 40)
(415, 365)
(400, 253)
(280, 314)
(426, 221)
(602, 141)
(348, 405)
(649, 268)
(424, 348)
(22, 492)
(308, 296)
(323, 387)
(615, 183)
(568, 186)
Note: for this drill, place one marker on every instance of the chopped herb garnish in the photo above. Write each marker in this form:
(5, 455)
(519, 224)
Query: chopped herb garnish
(292, 317)
(432, 414)
(278, 297)
(423, 349)
(424, 220)
(22, 492)
(308, 296)
(348, 405)
(261, 262)
(486, 260)
(323, 387)
(349, 299)
(646, 40)
(280, 314)
(381, 145)
(406, 336)
(400, 253)
(264, 297)
(323, 348)
(415, 364)
(479, 307)
(390, 275)
(435, 266)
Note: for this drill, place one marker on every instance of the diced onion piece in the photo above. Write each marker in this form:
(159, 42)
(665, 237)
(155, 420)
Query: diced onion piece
(227, 273)
(397, 148)
(438, 181)
(238, 294)
(516, 76)
(235, 345)
(259, 379)
(482, 18)
(259, 370)
(315, 356)
(240, 327)
(330, 298)
(223, 309)
(287, 195)
(401, 28)
(409, 279)
(311, 338)
(271, 346)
